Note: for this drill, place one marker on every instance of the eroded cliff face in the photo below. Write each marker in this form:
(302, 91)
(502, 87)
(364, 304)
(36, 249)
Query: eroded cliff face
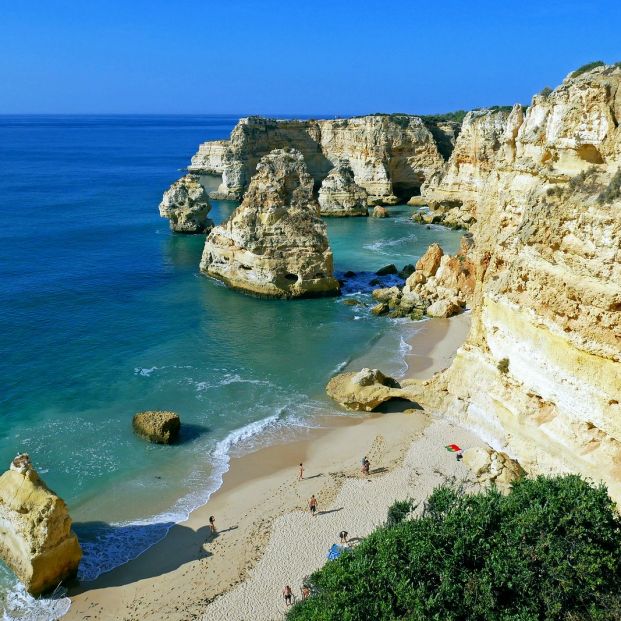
(390, 155)
(36, 540)
(340, 195)
(539, 376)
(275, 243)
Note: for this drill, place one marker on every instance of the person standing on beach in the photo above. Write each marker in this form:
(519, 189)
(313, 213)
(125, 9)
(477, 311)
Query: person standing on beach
(301, 476)
(343, 535)
(305, 592)
(312, 505)
(212, 524)
(287, 594)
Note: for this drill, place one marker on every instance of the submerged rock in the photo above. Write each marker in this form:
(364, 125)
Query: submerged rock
(380, 212)
(365, 390)
(340, 195)
(156, 426)
(186, 205)
(275, 243)
(36, 540)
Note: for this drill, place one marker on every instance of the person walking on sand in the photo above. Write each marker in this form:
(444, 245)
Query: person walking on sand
(212, 524)
(305, 591)
(312, 505)
(366, 465)
(343, 535)
(301, 476)
(287, 594)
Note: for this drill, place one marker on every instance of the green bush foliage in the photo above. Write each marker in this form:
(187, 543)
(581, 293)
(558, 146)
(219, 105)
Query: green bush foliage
(549, 550)
(587, 67)
(546, 91)
(398, 511)
(613, 191)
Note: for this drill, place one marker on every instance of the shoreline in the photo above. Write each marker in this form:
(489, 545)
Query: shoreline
(181, 573)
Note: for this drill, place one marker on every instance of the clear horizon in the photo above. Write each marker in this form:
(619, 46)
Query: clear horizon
(107, 58)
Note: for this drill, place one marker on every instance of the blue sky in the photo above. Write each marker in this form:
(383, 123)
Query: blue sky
(271, 57)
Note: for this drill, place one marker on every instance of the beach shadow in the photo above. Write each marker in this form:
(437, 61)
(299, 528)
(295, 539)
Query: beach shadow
(177, 545)
(315, 476)
(397, 405)
(329, 511)
(190, 432)
(378, 470)
(224, 530)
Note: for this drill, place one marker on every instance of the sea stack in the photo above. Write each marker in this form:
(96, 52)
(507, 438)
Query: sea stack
(186, 205)
(36, 540)
(274, 244)
(340, 195)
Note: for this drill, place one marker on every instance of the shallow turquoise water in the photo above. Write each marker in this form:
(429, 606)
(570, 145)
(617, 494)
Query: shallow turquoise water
(104, 314)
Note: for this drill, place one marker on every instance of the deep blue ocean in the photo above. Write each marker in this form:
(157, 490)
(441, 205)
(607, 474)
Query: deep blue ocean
(104, 313)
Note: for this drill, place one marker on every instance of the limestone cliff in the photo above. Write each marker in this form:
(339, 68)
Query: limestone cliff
(275, 243)
(539, 376)
(186, 206)
(36, 540)
(390, 155)
(340, 195)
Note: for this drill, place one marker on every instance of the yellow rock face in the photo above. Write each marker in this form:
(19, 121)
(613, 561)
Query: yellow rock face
(547, 299)
(36, 540)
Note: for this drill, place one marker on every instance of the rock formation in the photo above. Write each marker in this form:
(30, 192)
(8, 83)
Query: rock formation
(440, 285)
(275, 243)
(539, 376)
(340, 195)
(363, 391)
(186, 205)
(390, 155)
(157, 426)
(492, 467)
(485, 137)
(380, 212)
(36, 540)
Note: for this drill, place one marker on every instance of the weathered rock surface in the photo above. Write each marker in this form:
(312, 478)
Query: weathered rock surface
(390, 155)
(492, 467)
(157, 426)
(340, 195)
(440, 286)
(364, 390)
(36, 540)
(186, 205)
(275, 243)
(380, 212)
(547, 260)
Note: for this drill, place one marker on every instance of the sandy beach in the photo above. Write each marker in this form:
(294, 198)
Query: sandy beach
(266, 536)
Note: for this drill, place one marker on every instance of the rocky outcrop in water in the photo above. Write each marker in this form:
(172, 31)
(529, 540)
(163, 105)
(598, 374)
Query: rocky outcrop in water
(440, 285)
(390, 155)
(340, 195)
(157, 426)
(275, 243)
(186, 205)
(36, 540)
(545, 341)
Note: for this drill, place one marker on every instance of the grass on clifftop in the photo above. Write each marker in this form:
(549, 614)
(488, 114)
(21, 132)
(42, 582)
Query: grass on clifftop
(587, 67)
(550, 549)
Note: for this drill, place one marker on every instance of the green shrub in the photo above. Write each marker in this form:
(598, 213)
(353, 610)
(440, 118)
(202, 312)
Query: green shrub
(587, 67)
(546, 91)
(503, 366)
(549, 550)
(613, 191)
(398, 511)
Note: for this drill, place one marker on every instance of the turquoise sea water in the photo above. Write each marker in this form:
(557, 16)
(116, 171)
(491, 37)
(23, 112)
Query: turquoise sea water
(103, 313)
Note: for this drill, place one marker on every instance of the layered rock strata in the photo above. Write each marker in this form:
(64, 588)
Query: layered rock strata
(275, 243)
(186, 206)
(539, 376)
(390, 155)
(36, 540)
(340, 195)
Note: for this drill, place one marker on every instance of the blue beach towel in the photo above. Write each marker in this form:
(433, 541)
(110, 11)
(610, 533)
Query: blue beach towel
(335, 551)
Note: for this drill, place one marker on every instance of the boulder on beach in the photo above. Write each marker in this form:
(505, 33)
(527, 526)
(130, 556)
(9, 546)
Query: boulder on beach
(36, 540)
(157, 426)
(492, 467)
(275, 244)
(364, 390)
(186, 206)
